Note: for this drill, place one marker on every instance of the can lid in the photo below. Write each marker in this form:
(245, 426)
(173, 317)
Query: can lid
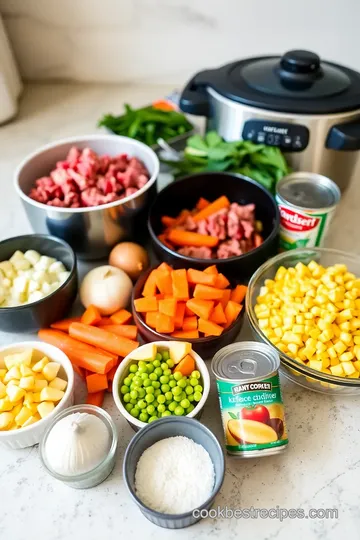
(246, 360)
(308, 190)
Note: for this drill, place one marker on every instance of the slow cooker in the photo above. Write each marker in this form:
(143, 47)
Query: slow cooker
(307, 107)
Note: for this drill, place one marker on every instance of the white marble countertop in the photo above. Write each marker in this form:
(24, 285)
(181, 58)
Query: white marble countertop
(321, 468)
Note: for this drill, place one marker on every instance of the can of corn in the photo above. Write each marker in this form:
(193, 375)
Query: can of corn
(307, 204)
(250, 399)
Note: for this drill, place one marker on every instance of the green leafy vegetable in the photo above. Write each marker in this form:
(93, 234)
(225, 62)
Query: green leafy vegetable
(264, 164)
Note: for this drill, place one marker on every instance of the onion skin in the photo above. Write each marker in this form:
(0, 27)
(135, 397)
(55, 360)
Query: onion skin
(107, 288)
(131, 258)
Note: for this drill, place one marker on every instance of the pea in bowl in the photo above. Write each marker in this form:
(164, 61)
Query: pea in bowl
(318, 374)
(142, 393)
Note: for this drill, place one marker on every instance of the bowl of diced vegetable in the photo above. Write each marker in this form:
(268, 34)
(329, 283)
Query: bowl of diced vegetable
(306, 304)
(38, 282)
(161, 379)
(36, 382)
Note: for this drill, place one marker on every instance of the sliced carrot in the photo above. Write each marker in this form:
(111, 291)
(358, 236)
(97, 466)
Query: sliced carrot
(179, 315)
(168, 306)
(211, 270)
(105, 321)
(163, 240)
(163, 281)
(79, 371)
(218, 316)
(148, 303)
(225, 297)
(121, 317)
(96, 383)
(186, 366)
(80, 354)
(164, 324)
(209, 327)
(202, 203)
(102, 338)
(232, 311)
(190, 334)
(221, 281)
(150, 318)
(190, 323)
(218, 204)
(184, 214)
(91, 315)
(238, 294)
(150, 285)
(188, 238)
(168, 221)
(97, 398)
(204, 292)
(164, 266)
(126, 330)
(201, 308)
(196, 276)
(111, 374)
(180, 286)
(64, 324)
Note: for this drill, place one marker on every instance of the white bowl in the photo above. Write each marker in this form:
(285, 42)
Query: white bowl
(121, 373)
(30, 435)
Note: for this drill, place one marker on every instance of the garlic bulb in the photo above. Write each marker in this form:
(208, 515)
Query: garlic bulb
(77, 444)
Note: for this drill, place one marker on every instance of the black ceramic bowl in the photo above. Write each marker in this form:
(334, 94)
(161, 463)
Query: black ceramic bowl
(206, 347)
(186, 192)
(40, 314)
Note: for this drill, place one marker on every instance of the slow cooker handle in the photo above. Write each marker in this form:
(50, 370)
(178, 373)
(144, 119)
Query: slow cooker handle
(344, 136)
(194, 98)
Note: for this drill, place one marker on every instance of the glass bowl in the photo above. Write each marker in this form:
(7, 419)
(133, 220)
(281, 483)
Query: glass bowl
(300, 373)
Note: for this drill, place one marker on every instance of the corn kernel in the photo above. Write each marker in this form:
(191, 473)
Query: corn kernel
(298, 329)
(346, 356)
(309, 351)
(345, 326)
(340, 347)
(315, 333)
(293, 348)
(263, 323)
(346, 338)
(332, 353)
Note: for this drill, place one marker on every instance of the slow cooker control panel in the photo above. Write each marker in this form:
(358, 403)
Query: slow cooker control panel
(288, 137)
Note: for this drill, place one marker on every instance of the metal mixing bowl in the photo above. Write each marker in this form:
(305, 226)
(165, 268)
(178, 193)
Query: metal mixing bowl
(91, 232)
(300, 373)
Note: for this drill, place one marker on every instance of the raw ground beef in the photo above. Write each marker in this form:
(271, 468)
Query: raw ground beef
(87, 179)
(236, 228)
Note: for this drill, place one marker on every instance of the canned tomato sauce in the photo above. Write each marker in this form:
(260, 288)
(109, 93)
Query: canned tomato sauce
(307, 203)
(250, 399)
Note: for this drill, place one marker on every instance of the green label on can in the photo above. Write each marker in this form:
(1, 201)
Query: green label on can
(252, 414)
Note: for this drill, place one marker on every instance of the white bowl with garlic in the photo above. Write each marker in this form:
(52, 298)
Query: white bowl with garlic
(36, 383)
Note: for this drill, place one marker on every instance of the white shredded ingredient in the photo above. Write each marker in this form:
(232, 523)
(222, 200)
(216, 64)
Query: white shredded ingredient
(174, 476)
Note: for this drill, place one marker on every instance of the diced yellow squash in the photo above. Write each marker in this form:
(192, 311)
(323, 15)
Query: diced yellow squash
(39, 384)
(13, 373)
(15, 393)
(39, 366)
(19, 358)
(51, 394)
(6, 419)
(5, 404)
(25, 371)
(348, 368)
(51, 370)
(27, 383)
(45, 408)
(23, 415)
(2, 390)
(58, 383)
(337, 370)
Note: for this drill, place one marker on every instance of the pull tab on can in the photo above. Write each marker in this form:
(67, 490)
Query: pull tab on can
(245, 367)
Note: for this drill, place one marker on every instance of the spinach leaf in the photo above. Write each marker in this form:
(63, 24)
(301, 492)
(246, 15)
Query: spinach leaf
(212, 139)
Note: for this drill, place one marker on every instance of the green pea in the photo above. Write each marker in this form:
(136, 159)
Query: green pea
(137, 381)
(189, 390)
(127, 381)
(191, 397)
(164, 366)
(163, 379)
(150, 367)
(182, 383)
(135, 412)
(158, 357)
(142, 364)
(133, 368)
(190, 408)
(168, 401)
(167, 372)
(150, 409)
(195, 374)
(141, 392)
(170, 363)
(147, 383)
(179, 411)
(178, 376)
(197, 396)
(131, 376)
(172, 406)
(158, 371)
(166, 413)
(176, 391)
(193, 382)
(152, 419)
(165, 388)
(133, 401)
(198, 388)
(161, 408)
(166, 355)
(149, 398)
(156, 363)
(185, 403)
(142, 370)
(142, 404)
(157, 392)
(172, 383)
(129, 407)
(150, 390)
(144, 376)
(177, 398)
(143, 417)
(134, 394)
(161, 398)
(154, 377)
(155, 384)
(126, 398)
(168, 395)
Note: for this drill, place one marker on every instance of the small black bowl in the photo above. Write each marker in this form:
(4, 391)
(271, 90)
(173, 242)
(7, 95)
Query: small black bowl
(184, 194)
(40, 314)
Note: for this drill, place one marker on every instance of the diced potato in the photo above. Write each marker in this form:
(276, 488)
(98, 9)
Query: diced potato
(39, 366)
(32, 408)
(2, 390)
(5, 404)
(36, 397)
(25, 371)
(39, 384)
(28, 399)
(337, 370)
(17, 256)
(45, 408)
(51, 394)
(23, 357)
(15, 393)
(17, 408)
(31, 420)
(3, 372)
(13, 373)
(348, 368)
(27, 383)
(6, 419)
(32, 256)
(51, 370)
(58, 383)
(23, 415)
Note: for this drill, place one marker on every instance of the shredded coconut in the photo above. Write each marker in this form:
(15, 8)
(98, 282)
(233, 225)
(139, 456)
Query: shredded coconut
(174, 476)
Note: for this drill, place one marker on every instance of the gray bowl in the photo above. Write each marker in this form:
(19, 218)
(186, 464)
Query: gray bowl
(163, 428)
(92, 231)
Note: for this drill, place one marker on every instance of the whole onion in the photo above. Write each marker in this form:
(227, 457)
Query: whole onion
(106, 287)
(131, 258)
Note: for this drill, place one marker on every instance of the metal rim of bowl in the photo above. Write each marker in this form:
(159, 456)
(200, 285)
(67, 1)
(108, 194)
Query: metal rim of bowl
(71, 271)
(143, 432)
(83, 138)
(238, 258)
(289, 362)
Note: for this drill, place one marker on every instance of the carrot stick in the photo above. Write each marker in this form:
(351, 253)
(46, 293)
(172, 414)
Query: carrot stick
(221, 282)
(91, 316)
(81, 355)
(79, 371)
(190, 323)
(190, 334)
(196, 276)
(186, 238)
(96, 382)
(179, 315)
(225, 297)
(103, 339)
(64, 324)
(201, 308)
(150, 318)
(163, 281)
(162, 238)
(97, 398)
(164, 324)
(202, 203)
(208, 327)
(168, 221)
(218, 316)
(126, 330)
(238, 294)
(121, 317)
(204, 292)
(150, 285)
(148, 303)
(180, 286)
(218, 204)
(211, 270)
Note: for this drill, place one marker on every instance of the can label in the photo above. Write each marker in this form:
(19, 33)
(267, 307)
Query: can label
(299, 229)
(252, 414)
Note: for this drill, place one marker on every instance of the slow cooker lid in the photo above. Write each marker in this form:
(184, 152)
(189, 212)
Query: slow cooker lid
(297, 82)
